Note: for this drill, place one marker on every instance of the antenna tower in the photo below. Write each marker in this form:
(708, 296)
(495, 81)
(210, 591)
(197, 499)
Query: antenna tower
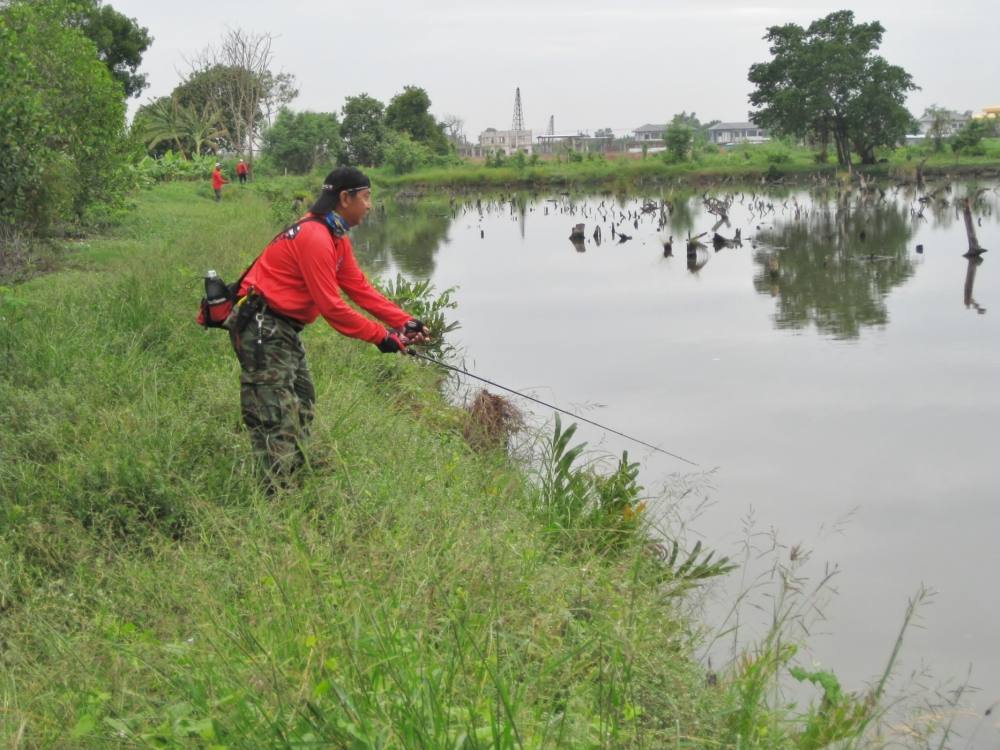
(552, 125)
(518, 114)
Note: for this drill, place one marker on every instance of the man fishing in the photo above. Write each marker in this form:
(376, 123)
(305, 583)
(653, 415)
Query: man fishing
(296, 279)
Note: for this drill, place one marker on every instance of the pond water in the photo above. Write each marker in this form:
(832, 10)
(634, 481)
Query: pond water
(836, 376)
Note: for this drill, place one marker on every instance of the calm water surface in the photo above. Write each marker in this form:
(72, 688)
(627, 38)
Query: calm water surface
(838, 372)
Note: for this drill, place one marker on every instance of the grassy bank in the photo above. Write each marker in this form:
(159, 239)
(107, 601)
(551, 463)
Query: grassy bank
(750, 163)
(412, 593)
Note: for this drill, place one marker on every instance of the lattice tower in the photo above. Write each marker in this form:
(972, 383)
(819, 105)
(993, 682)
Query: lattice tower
(518, 114)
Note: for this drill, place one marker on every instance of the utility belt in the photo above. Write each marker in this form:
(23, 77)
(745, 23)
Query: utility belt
(253, 305)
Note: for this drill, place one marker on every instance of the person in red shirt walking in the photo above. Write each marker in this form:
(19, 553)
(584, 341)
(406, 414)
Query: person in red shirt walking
(241, 171)
(218, 181)
(297, 278)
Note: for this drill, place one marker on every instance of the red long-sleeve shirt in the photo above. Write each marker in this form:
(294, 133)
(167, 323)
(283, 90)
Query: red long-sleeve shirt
(301, 274)
(217, 179)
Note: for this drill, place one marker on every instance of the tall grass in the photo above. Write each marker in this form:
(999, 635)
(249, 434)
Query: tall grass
(404, 596)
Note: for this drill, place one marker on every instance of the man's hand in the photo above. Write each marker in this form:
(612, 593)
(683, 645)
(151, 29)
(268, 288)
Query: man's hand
(416, 332)
(392, 343)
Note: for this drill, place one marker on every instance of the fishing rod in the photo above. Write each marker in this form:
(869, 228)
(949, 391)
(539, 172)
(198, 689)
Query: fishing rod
(461, 371)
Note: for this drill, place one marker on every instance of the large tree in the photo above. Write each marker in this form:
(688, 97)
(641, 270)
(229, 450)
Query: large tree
(825, 82)
(62, 146)
(120, 42)
(301, 141)
(409, 112)
(363, 130)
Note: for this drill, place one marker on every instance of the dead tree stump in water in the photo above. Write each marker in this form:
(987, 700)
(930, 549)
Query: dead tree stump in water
(975, 249)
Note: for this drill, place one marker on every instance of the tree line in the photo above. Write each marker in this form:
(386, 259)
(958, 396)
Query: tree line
(232, 105)
(66, 153)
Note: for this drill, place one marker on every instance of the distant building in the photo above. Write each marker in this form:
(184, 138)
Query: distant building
(555, 143)
(509, 142)
(650, 132)
(737, 132)
(989, 112)
(953, 122)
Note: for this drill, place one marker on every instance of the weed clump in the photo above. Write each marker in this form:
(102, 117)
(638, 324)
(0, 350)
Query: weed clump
(491, 421)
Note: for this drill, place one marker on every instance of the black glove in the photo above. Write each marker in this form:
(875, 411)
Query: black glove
(414, 326)
(392, 343)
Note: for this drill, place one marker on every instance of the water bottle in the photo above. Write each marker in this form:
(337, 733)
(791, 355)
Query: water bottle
(217, 303)
(215, 288)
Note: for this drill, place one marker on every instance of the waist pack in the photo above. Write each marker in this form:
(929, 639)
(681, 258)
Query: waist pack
(220, 297)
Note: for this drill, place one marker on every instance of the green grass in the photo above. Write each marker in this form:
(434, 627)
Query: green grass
(411, 593)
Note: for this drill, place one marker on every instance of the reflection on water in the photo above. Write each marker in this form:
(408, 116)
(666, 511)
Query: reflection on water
(970, 281)
(406, 235)
(834, 267)
(829, 258)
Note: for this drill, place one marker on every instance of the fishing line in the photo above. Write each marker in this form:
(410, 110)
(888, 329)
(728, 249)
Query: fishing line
(439, 363)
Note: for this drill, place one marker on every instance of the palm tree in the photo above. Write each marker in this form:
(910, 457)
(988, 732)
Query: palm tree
(161, 124)
(189, 130)
(203, 129)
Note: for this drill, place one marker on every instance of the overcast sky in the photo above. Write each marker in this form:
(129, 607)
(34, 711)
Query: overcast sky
(590, 63)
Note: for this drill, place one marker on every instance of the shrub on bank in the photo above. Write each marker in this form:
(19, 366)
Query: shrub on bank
(63, 148)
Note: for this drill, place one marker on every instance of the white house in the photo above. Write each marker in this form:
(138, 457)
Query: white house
(737, 132)
(650, 132)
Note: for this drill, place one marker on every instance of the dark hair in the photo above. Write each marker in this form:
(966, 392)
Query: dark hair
(340, 179)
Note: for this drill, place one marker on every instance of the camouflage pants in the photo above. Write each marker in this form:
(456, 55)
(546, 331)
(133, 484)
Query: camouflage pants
(276, 392)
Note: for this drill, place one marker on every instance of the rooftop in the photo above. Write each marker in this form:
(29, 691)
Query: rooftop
(734, 126)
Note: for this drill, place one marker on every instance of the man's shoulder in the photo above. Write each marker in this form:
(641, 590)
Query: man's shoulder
(313, 230)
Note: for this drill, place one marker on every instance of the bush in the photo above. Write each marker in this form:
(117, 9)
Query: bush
(171, 166)
(63, 147)
(777, 156)
(403, 154)
(679, 139)
(968, 139)
(302, 141)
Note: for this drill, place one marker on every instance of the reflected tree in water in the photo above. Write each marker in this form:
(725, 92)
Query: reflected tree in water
(405, 235)
(834, 267)
(970, 282)
(681, 221)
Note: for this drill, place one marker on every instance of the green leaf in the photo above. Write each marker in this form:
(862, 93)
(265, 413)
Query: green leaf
(84, 726)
